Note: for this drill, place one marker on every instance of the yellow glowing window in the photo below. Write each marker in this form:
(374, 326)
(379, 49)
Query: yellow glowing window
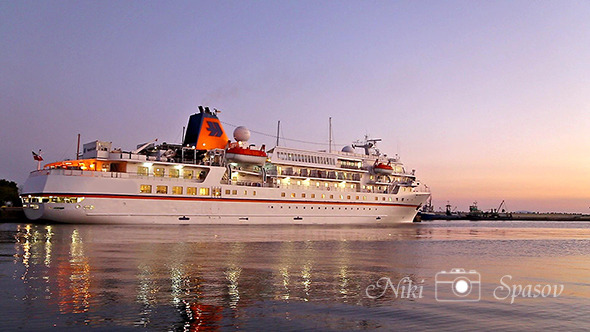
(312, 195)
(283, 195)
(323, 195)
(348, 197)
(331, 196)
(142, 170)
(357, 197)
(177, 190)
(204, 191)
(159, 171)
(145, 188)
(234, 192)
(161, 189)
(188, 174)
(191, 191)
(245, 192)
(227, 191)
(293, 195)
(303, 195)
(174, 172)
(254, 193)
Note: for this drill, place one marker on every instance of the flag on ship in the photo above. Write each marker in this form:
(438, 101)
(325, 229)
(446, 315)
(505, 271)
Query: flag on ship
(37, 156)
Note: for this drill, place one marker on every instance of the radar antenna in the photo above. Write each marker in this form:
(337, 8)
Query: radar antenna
(368, 144)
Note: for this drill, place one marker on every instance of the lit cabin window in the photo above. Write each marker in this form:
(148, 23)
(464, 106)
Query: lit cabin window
(188, 174)
(177, 190)
(145, 188)
(303, 195)
(254, 193)
(204, 191)
(161, 189)
(234, 192)
(191, 191)
(283, 195)
(227, 191)
(174, 173)
(142, 170)
(293, 195)
(159, 171)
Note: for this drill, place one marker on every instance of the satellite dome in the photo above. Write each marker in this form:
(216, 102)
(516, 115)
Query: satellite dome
(241, 134)
(348, 149)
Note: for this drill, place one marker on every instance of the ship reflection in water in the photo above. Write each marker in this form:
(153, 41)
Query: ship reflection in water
(277, 277)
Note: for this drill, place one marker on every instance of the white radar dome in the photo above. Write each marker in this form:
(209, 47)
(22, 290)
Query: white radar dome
(241, 134)
(348, 149)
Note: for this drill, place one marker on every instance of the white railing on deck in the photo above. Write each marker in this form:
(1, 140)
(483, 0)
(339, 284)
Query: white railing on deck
(99, 174)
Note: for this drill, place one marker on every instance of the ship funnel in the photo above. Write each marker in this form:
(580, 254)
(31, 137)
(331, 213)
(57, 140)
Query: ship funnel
(204, 131)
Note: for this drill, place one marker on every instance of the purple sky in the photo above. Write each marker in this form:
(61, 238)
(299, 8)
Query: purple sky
(486, 100)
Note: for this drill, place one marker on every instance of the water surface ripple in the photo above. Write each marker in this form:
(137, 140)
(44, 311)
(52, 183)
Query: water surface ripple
(295, 277)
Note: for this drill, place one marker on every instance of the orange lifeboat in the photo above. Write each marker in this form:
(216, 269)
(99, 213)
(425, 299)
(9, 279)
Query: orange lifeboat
(382, 169)
(242, 155)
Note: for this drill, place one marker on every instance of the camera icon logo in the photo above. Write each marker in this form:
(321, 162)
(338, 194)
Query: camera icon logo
(458, 285)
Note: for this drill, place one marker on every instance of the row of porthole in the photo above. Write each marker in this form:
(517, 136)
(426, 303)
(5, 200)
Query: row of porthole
(348, 197)
(326, 208)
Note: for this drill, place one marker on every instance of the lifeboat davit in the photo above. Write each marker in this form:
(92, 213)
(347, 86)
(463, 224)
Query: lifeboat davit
(383, 169)
(242, 155)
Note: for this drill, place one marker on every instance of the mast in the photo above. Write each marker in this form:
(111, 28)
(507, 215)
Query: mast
(78, 148)
(278, 131)
(330, 134)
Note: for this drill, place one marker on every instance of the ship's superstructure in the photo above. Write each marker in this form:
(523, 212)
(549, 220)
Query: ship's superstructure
(210, 179)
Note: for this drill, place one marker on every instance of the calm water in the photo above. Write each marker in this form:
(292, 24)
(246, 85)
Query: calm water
(295, 278)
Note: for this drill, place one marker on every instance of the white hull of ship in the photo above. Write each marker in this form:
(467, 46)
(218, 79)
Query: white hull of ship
(217, 211)
(112, 198)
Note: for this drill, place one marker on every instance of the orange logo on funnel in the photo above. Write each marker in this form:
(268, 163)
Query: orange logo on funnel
(212, 137)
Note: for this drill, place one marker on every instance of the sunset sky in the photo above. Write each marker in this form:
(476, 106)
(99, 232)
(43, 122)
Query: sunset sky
(487, 100)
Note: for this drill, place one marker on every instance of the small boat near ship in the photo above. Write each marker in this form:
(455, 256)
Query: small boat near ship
(208, 179)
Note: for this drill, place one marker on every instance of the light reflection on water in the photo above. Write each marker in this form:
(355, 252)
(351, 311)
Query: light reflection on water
(286, 277)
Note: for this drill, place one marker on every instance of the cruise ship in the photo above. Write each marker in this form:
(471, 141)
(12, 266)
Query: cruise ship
(210, 179)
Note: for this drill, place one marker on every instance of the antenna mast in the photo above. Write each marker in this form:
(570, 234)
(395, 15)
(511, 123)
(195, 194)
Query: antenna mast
(330, 148)
(278, 131)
